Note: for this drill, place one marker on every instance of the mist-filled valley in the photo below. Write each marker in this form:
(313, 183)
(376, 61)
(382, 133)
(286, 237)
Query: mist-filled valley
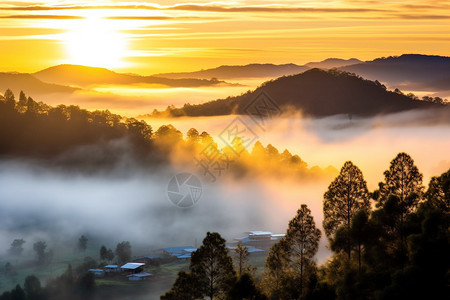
(109, 183)
(116, 189)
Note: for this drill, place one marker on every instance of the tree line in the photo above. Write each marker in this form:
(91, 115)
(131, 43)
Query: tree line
(392, 243)
(37, 130)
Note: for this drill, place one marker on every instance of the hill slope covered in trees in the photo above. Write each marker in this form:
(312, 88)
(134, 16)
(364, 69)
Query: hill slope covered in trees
(315, 92)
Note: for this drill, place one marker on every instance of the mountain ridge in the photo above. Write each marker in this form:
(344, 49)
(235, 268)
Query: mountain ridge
(85, 76)
(317, 93)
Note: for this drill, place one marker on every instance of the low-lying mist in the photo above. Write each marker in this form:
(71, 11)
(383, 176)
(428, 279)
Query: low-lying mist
(130, 202)
(371, 143)
(42, 204)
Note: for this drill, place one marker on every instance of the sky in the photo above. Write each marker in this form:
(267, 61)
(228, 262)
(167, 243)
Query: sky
(148, 37)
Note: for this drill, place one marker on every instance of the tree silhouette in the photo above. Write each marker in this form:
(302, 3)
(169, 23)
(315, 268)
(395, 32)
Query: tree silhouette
(242, 257)
(276, 262)
(345, 196)
(403, 180)
(245, 288)
(39, 248)
(10, 99)
(302, 238)
(106, 254)
(123, 252)
(212, 266)
(438, 193)
(184, 288)
(402, 188)
(82, 243)
(16, 247)
(32, 288)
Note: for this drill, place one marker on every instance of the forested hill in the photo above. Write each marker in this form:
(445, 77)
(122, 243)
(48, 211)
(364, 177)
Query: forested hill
(69, 136)
(316, 92)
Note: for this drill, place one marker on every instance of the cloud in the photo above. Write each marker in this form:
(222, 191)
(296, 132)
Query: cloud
(422, 17)
(200, 8)
(56, 17)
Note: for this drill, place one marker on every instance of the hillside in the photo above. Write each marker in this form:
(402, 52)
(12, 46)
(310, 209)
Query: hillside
(246, 71)
(87, 76)
(316, 93)
(407, 70)
(330, 63)
(261, 70)
(30, 85)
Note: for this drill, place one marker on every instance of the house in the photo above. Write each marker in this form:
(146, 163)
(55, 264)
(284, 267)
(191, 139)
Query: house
(259, 239)
(97, 272)
(132, 268)
(180, 252)
(111, 268)
(139, 276)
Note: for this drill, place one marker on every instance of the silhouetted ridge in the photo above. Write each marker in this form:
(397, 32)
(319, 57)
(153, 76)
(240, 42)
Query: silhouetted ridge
(409, 71)
(316, 92)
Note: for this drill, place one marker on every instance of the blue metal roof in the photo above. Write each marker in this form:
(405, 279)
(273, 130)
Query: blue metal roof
(179, 249)
(131, 266)
(252, 250)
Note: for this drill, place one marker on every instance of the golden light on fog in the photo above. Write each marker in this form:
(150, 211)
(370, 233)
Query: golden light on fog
(95, 42)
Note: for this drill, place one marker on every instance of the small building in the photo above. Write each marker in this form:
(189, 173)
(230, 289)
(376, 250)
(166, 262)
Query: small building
(97, 272)
(180, 252)
(139, 276)
(132, 268)
(111, 268)
(259, 239)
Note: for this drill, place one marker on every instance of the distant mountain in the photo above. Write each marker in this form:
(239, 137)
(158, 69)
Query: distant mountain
(408, 71)
(30, 84)
(237, 72)
(330, 63)
(82, 76)
(315, 92)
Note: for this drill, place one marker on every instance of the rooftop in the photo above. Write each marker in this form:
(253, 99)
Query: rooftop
(131, 266)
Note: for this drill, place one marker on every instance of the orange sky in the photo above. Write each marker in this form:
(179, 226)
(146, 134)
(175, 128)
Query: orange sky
(148, 37)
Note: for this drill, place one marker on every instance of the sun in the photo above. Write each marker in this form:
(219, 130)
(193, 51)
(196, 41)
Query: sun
(95, 42)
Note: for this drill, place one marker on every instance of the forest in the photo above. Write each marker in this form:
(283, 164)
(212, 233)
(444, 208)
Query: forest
(390, 243)
(62, 135)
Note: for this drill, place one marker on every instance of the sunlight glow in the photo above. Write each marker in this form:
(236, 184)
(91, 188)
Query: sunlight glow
(95, 42)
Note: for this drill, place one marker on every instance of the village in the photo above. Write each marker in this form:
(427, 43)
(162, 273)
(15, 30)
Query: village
(258, 243)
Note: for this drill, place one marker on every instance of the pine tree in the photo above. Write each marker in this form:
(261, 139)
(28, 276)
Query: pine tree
(242, 257)
(303, 239)
(212, 265)
(404, 181)
(345, 196)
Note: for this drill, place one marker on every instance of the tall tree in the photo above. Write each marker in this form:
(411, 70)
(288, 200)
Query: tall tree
(303, 240)
(438, 193)
(276, 263)
(10, 99)
(242, 257)
(123, 252)
(399, 196)
(404, 181)
(16, 247)
(39, 248)
(32, 288)
(82, 243)
(345, 196)
(106, 254)
(22, 99)
(212, 265)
